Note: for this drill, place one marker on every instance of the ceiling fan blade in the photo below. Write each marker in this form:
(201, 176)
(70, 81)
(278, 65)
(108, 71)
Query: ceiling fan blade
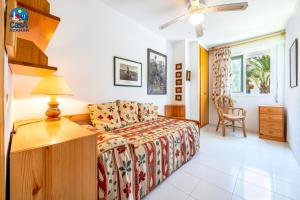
(178, 19)
(199, 30)
(226, 7)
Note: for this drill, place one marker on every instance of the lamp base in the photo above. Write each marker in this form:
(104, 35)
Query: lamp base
(53, 112)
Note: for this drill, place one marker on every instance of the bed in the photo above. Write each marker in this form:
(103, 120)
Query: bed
(133, 160)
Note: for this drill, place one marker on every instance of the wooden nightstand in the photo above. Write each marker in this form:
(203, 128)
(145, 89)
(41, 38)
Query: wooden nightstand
(53, 160)
(272, 123)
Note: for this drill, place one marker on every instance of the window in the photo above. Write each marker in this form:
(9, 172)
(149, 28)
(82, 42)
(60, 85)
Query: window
(252, 76)
(237, 74)
(258, 73)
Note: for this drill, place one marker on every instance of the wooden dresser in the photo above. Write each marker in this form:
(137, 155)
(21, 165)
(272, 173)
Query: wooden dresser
(53, 160)
(272, 123)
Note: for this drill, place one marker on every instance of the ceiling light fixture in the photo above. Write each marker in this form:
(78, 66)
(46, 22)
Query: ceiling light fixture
(196, 19)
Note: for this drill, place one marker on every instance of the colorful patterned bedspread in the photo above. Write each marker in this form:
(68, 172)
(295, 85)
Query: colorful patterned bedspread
(134, 159)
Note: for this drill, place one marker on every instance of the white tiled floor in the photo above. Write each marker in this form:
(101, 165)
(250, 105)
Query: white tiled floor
(236, 168)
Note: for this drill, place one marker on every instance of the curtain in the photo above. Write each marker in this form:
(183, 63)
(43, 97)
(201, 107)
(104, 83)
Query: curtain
(221, 72)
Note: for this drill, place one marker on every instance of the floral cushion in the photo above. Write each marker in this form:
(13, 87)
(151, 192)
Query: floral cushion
(147, 111)
(128, 111)
(105, 116)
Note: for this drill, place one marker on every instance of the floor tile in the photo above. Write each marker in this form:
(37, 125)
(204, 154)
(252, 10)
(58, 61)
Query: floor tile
(287, 176)
(213, 176)
(280, 197)
(252, 192)
(259, 179)
(287, 189)
(234, 197)
(233, 167)
(208, 191)
(183, 181)
(166, 191)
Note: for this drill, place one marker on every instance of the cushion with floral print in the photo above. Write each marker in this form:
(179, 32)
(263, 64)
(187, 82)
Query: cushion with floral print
(128, 111)
(105, 116)
(147, 111)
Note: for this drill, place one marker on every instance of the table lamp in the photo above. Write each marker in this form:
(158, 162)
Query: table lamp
(53, 86)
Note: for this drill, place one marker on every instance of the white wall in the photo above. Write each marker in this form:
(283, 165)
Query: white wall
(192, 87)
(179, 56)
(8, 110)
(251, 102)
(292, 95)
(186, 52)
(83, 46)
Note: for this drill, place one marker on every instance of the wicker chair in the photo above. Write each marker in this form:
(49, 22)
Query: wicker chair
(229, 115)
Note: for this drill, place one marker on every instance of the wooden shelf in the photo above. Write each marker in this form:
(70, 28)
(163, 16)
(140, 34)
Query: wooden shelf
(29, 60)
(26, 49)
(30, 69)
(42, 5)
(41, 26)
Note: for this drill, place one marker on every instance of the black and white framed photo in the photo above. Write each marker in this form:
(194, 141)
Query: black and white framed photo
(294, 64)
(127, 72)
(157, 73)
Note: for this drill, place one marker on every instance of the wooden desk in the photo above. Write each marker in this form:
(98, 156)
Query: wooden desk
(53, 160)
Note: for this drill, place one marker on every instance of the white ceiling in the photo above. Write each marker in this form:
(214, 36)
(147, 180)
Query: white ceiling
(261, 17)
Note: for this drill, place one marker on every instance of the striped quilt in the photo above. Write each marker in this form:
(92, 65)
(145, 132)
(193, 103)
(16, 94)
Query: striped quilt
(135, 159)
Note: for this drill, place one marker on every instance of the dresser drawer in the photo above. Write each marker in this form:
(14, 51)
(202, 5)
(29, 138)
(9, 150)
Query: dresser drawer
(272, 132)
(271, 110)
(266, 125)
(271, 118)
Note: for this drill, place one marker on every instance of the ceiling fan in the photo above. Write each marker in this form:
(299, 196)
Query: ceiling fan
(196, 11)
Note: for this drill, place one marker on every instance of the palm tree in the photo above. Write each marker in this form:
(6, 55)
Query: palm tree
(258, 71)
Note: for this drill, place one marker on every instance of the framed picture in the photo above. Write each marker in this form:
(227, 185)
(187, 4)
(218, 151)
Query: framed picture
(157, 73)
(294, 64)
(178, 90)
(127, 72)
(178, 66)
(178, 97)
(178, 74)
(178, 81)
(188, 75)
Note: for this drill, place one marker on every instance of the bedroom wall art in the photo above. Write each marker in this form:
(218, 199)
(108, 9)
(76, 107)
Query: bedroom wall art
(127, 72)
(157, 73)
(294, 64)
(178, 82)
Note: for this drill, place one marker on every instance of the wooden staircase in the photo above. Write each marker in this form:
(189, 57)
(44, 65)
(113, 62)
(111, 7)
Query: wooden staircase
(26, 49)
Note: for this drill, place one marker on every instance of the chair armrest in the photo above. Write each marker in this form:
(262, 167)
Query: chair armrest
(244, 112)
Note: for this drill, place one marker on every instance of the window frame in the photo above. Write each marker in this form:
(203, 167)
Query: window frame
(242, 73)
(245, 55)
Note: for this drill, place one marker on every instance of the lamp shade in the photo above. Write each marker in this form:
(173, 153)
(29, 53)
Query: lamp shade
(52, 85)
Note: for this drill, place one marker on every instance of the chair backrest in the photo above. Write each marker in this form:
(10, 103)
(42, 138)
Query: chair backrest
(223, 102)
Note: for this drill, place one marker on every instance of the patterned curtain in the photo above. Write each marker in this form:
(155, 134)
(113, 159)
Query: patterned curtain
(221, 73)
